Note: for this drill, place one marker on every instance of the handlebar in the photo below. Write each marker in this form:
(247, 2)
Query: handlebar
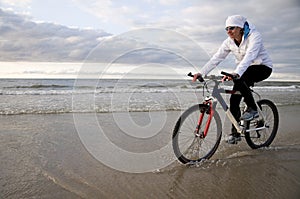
(201, 79)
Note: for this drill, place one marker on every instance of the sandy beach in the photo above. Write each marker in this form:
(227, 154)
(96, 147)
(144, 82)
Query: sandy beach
(42, 156)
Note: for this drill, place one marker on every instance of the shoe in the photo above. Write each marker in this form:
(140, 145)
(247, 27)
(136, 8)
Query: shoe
(250, 114)
(234, 137)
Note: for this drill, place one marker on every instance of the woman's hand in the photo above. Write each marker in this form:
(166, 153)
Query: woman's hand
(227, 78)
(198, 76)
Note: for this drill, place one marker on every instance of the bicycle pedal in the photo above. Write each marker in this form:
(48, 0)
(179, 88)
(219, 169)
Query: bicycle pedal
(260, 123)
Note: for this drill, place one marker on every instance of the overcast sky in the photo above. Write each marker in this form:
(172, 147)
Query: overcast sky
(67, 30)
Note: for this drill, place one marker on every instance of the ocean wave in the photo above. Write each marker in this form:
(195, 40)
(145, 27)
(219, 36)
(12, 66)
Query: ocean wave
(95, 92)
(65, 111)
(105, 109)
(277, 88)
(67, 87)
(38, 92)
(36, 86)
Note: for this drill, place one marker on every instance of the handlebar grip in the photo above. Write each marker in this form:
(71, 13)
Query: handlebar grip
(200, 78)
(190, 74)
(227, 74)
(234, 77)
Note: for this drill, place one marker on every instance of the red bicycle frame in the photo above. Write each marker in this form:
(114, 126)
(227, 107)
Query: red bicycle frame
(210, 111)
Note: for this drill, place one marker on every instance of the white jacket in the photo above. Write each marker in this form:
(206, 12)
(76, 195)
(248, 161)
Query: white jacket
(250, 52)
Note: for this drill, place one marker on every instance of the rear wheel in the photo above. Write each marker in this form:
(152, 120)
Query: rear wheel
(263, 138)
(190, 147)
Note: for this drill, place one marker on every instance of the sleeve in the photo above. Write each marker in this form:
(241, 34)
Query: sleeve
(252, 51)
(217, 58)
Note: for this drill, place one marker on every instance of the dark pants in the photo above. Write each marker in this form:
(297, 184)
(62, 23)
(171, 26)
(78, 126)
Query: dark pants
(254, 73)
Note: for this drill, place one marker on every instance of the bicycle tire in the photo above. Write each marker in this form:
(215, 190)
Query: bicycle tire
(190, 148)
(263, 138)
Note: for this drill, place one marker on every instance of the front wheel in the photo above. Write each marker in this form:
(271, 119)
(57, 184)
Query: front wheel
(190, 145)
(269, 124)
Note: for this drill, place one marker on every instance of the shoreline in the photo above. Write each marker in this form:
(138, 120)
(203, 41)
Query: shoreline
(279, 106)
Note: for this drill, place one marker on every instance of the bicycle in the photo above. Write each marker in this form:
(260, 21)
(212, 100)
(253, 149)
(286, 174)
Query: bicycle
(197, 133)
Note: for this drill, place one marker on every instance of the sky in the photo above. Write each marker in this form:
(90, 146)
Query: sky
(36, 35)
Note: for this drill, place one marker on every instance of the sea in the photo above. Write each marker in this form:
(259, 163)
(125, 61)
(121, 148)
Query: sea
(55, 96)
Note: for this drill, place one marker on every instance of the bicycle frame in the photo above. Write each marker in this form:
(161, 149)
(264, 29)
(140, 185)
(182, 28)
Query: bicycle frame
(212, 102)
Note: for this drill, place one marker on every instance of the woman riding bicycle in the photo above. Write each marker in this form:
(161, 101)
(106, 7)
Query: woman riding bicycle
(253, 65)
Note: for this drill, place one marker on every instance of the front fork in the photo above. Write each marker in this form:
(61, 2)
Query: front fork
(208, 109)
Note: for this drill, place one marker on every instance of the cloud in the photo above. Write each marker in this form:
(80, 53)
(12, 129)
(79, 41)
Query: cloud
(16, 3)
(24, 40)
(108, 11)
(39, 69)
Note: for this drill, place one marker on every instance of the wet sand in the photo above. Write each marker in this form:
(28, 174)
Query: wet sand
(42, 157)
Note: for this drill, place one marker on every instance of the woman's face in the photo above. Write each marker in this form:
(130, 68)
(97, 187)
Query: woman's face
(234, 32)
